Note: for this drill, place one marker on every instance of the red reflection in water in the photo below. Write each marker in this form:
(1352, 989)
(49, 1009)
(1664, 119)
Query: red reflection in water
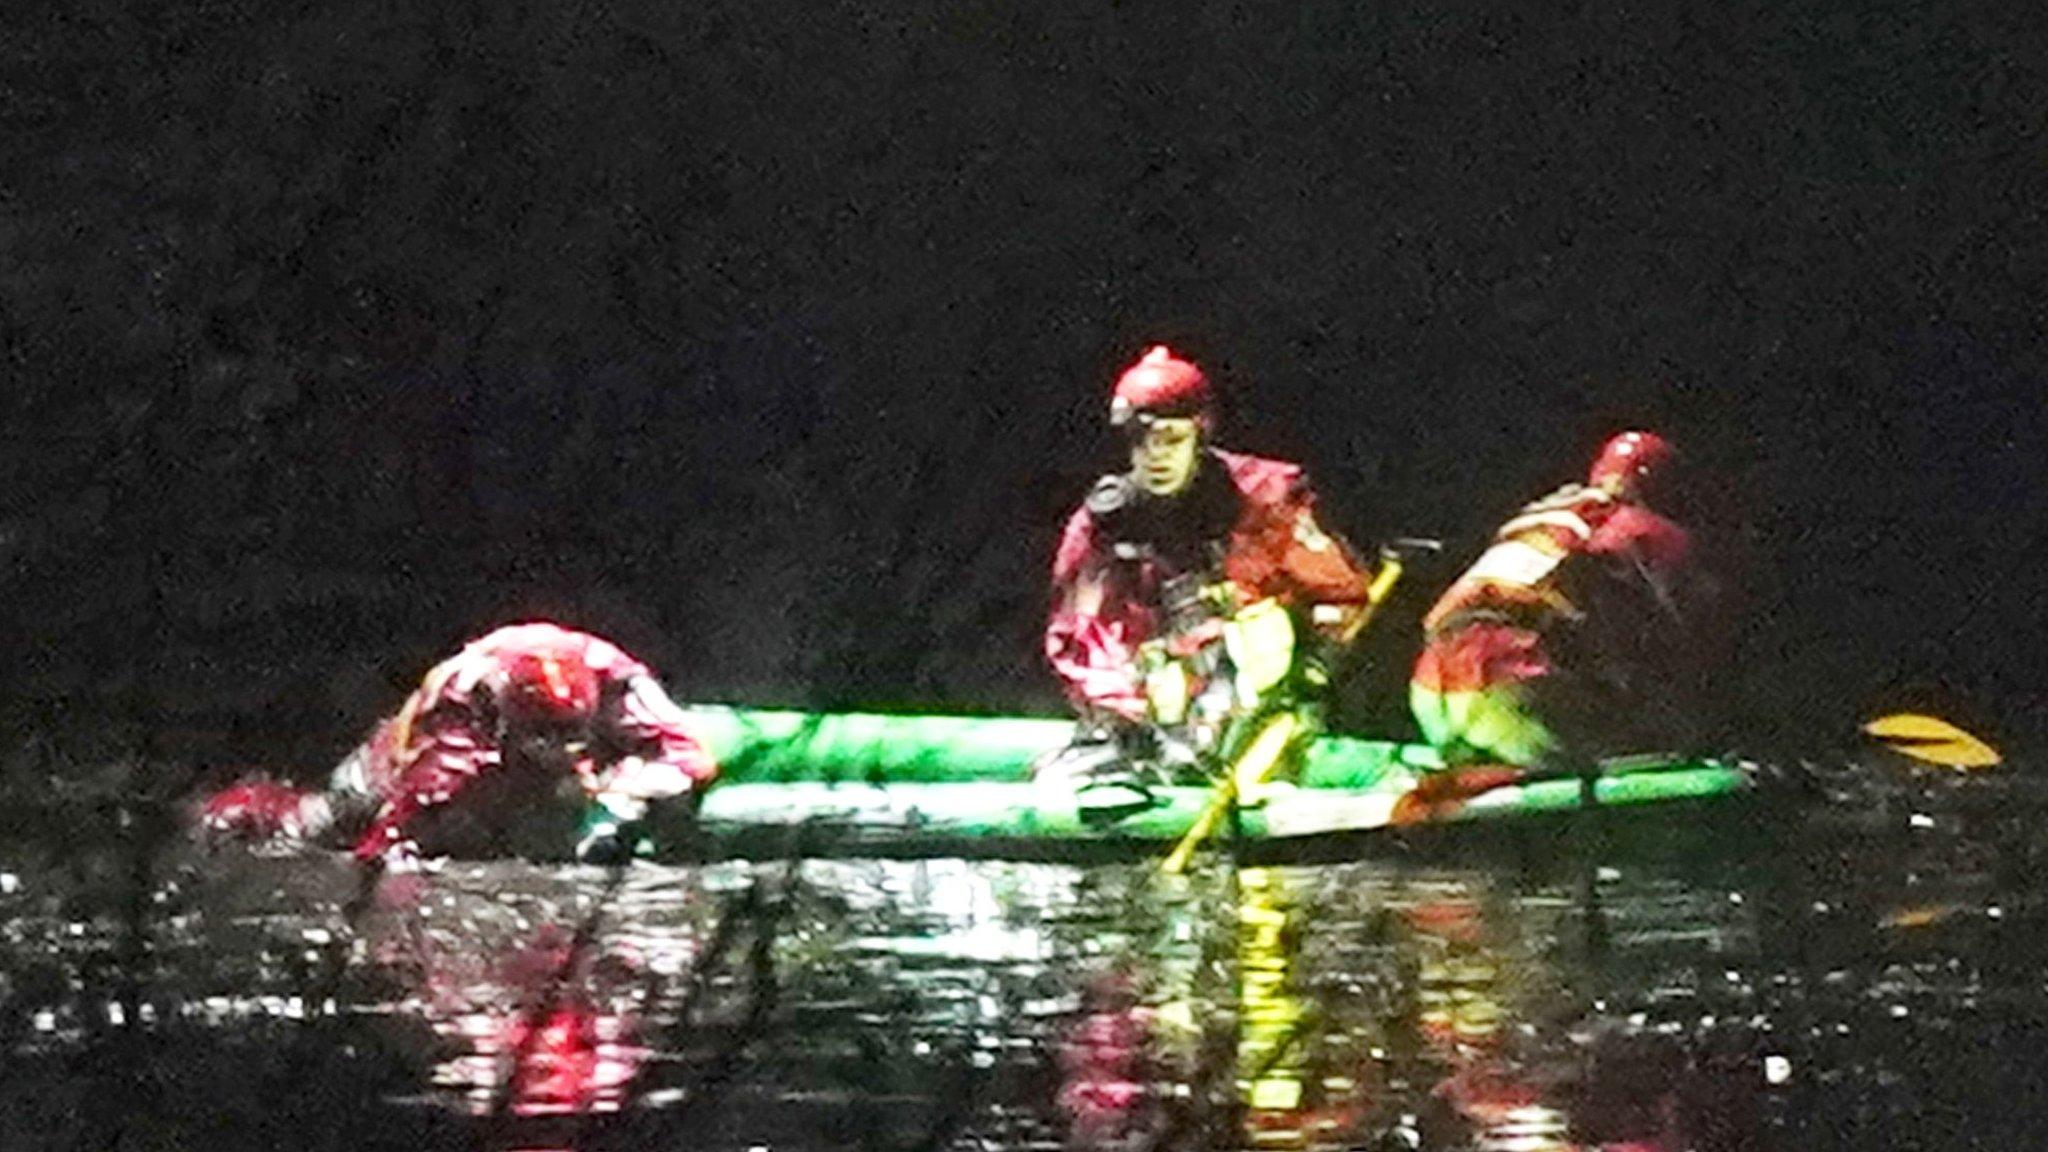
(576, 1061)
(1105, 1086)
(552, 1028)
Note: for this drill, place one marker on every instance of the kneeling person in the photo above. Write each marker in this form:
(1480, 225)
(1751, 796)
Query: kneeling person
(1196, 597)
(1574, 635)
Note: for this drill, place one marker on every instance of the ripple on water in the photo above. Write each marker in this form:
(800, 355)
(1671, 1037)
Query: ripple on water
(1857, 978)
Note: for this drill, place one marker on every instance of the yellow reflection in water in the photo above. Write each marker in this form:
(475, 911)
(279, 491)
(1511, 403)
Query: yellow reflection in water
(1271, 1053)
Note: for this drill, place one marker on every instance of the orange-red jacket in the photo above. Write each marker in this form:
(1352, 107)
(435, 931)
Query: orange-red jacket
(1489, 626)
(1258, 530)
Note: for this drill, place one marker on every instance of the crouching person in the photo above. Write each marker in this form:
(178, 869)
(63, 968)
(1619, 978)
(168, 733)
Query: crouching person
(522, 725)
(1583, 631)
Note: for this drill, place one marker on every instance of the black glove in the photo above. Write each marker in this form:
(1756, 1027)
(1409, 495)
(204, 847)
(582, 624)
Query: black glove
(608, 845)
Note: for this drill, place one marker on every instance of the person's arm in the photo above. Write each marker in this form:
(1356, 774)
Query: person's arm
(268, 812)
(663, 760)
(1653, 554)
(1091, 652)
(279, 814)
(442, 761)
(1336, 585)
(1088, 642)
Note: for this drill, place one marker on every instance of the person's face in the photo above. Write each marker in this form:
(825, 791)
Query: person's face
(544, 745)
(1622, 485)
(1164, 454)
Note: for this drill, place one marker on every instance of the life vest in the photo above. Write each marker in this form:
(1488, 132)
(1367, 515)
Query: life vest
(1248, 520)
(1515, 580)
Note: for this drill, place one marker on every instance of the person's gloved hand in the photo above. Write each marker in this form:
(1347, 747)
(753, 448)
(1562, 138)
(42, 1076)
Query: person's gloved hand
(1313, 666)
(1223, 597)
(637, 779)
(260, 811)
(1175, 756)
(612, 829)
(1189, 644)
(606, 845)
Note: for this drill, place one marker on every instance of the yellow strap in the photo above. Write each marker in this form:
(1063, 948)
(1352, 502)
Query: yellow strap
(1260, 640)
(1376, 593)
(1166, 689)
(430, 687)
(1265, 752)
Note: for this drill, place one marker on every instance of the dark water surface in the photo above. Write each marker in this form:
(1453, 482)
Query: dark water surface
(1863, 971)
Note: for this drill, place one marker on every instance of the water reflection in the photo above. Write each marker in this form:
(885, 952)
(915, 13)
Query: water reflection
(1854, 980)
(1273, 1038)
(1109, 1078)
(885, 1004)
(557, 1034)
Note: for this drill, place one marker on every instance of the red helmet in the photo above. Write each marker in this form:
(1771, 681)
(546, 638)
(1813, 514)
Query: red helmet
(545, 685)
(1160, 384)
(1630, 460)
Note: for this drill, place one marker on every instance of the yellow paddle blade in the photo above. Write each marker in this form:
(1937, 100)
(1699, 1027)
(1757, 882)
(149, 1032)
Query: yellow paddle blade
(1932, 740)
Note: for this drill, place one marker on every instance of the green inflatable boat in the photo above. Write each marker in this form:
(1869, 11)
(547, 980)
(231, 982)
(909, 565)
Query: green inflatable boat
(875, 784)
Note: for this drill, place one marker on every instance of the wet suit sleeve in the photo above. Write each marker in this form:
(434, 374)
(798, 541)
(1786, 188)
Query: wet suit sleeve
(444, 758)
(662, 759)
(1088, 645)
(1096, 663)
(1648, 632)
(1324, 570)
(1654, 556)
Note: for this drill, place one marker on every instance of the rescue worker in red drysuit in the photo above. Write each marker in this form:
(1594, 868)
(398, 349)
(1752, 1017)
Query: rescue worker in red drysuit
(526, 709)
(1158, 559)
(1571, 636)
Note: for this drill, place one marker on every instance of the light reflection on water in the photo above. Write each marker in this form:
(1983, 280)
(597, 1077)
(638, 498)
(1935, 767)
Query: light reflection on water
(1843, 981)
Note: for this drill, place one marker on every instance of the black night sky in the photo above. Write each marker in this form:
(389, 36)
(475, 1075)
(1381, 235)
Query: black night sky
(773, 339)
